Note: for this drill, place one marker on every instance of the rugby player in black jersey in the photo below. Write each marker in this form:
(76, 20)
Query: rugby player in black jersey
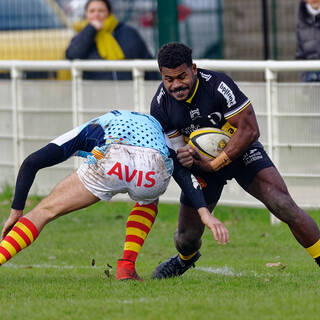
(188, 99)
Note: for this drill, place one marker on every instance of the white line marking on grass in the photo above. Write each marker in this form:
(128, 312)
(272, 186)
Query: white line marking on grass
(225, 271)
(48, 266)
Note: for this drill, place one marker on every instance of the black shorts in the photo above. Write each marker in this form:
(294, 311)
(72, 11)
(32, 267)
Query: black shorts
(243, 170)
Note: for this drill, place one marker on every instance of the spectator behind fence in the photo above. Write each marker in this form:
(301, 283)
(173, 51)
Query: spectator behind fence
(101, 36)
(308, 36)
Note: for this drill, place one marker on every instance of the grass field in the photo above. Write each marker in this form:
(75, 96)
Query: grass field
(54, 278)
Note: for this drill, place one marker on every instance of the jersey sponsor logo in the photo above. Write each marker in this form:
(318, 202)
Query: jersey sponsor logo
(205, 76)
(123, 173)
(194, 113)
(160, 95)
(227, 94)
(252, 156)
(187, 131)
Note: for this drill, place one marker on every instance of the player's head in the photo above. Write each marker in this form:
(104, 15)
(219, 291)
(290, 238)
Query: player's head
(97, 10)
(315, 4)
(178, 72)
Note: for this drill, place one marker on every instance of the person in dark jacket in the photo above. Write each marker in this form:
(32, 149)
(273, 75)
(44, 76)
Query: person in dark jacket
(308, 36)
(101, 36)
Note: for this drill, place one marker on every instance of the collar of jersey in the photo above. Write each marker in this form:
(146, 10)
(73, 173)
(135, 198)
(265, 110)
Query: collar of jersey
(194, 92)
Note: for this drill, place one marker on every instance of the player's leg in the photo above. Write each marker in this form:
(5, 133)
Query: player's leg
(140, 163)
(187, 240)
(139, 224)
(68, 195)
(188, 235)
(190, 229)
(269, 187)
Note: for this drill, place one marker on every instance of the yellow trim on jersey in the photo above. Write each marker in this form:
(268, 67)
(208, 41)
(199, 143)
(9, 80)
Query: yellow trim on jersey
(147, 210)
(174, 134)
(227, 127)
(194, 92)
(245, 106)
(136, 232)
(314, 250)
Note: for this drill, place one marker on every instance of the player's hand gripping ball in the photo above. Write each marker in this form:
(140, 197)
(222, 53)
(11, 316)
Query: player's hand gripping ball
(209, 141)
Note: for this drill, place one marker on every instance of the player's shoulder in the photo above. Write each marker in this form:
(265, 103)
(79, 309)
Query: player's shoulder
(212, 78)
(160, 96)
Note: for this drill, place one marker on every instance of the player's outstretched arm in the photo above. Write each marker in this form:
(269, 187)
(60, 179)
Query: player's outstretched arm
(219, 231)
(47, 156)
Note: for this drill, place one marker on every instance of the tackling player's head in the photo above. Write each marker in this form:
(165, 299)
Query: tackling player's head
(178, 72)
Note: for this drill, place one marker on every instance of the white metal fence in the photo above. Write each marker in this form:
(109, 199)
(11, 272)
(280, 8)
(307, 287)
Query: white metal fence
(32, 112)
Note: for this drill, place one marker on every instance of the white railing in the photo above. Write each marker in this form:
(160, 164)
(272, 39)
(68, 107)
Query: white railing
(269, 94)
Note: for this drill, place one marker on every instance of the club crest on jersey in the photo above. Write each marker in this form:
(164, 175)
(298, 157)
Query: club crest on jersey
(215, 118)
(160, 95)
(194, 113)
(227, 94)
(205, 76)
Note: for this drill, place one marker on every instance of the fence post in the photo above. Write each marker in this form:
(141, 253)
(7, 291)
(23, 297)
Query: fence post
(15, 77)
(76, 99)
(138, 90)
(271, 77)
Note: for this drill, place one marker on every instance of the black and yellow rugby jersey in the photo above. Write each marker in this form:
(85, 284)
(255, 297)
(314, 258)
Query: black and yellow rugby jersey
(215, 99)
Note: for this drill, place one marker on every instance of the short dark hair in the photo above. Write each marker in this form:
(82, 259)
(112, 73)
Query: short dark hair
(174, 54)
(106, 2)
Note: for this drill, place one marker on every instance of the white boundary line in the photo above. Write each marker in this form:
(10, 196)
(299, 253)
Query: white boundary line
(223, 271)
(229, 272)
(50, 266)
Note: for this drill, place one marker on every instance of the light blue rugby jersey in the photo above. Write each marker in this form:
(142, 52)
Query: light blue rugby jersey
(129, 128)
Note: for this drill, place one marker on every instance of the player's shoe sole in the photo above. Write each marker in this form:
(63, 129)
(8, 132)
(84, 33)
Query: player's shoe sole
(174, 267)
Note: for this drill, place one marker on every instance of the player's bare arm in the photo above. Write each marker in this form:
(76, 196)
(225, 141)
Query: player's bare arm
(246, 133)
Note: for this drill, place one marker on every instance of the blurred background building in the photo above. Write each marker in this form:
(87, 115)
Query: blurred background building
(215, 29)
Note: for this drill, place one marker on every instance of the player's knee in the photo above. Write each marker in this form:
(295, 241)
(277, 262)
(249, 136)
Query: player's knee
(187, 242)
(284, 208)
(47, 211)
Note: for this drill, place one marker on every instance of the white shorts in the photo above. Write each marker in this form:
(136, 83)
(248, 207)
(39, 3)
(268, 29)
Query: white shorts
(141, 172)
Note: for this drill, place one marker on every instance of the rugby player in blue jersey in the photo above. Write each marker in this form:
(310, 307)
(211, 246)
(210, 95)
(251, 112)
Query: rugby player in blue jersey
(126, 153)
(188, 99)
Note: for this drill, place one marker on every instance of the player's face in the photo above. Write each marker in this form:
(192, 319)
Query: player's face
(180, 81)
(315, 4)
(97, 10)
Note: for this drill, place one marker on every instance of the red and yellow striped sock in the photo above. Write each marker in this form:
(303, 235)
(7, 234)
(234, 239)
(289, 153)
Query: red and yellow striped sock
(139, 224)
(20, 236)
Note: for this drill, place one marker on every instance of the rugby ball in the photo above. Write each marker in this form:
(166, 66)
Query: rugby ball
(209, 141)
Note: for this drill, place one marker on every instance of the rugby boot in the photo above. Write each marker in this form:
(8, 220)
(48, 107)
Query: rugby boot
(174, 267)
(126, 271)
